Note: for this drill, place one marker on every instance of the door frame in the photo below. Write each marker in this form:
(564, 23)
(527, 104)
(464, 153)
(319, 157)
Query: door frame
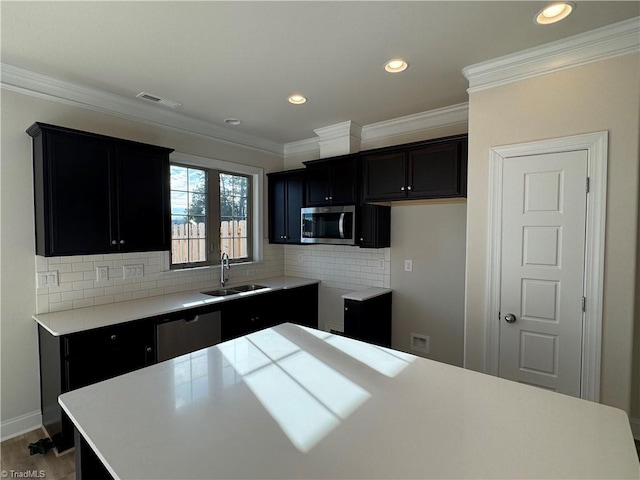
(596, 145)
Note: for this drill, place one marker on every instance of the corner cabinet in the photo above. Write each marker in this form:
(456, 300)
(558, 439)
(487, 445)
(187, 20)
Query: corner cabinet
(423, 170)
(96, 194)
(286, 198)
(332, 181)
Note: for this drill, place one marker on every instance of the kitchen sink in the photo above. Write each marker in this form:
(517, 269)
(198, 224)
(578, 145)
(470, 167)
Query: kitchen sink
(249, 288)
(223, 292)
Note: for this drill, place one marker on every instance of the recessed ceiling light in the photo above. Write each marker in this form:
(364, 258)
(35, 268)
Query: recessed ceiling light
(232, 121)
(297, 99)
(554, 13)
(396, 65)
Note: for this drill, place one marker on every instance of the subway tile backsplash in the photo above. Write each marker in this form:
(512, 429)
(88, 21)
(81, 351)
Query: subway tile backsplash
(335, 266)
(78, 287)
(350, 268)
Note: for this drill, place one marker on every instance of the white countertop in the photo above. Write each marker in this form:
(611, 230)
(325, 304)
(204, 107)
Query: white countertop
(362, 295)
(81, 319)
(292, 402)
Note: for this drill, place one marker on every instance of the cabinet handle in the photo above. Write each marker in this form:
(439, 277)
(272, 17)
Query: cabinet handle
(113, 337)
(284, 236)
(402, 189)
(148, 349)
(346, 309)
(113, 242)
(330, 198)
(361, 239)
(326, 198)
(409, 187)
(121, 242)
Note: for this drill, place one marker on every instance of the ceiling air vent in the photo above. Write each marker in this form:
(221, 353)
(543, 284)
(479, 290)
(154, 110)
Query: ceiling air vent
(158, 100)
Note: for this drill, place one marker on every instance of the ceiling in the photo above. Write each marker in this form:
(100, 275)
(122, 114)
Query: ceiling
(243, 59)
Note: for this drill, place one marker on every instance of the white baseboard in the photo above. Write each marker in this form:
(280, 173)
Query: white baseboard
(635, 427)
(19, 425)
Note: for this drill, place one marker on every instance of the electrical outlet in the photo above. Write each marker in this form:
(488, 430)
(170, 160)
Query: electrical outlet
(132, 271)
(408, 265)
(381, 264)
(102, 274)
(419, 343)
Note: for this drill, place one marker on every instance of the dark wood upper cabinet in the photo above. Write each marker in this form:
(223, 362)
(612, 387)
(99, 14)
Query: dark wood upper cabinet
(385, 175)
(423, 170)
(286, 198)
(96, 194)
(332, 182)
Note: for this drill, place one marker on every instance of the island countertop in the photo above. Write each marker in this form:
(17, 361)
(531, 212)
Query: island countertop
(293, 402)
(81, 319)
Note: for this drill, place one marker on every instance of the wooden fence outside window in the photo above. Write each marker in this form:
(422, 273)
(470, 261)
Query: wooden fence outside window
(189, 241)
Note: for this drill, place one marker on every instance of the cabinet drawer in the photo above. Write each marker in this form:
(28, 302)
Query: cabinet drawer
(116, 338)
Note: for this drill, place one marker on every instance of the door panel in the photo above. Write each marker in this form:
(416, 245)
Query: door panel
(144, 219)
(80, 195)
(542, 283)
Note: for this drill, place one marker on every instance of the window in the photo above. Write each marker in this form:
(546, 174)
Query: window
(210, 214)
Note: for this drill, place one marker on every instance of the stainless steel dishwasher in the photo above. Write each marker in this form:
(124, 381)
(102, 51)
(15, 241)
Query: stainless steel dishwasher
(180, 336)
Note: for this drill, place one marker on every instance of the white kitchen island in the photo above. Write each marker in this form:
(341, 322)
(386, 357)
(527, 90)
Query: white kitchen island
(292, 402)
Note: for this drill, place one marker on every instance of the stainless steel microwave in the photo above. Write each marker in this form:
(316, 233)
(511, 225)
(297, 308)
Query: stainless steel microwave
(334, 225)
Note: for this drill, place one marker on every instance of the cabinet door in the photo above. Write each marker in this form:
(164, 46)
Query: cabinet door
(104, 353)
(143, 199)
(343, 187)
(352, 318)
(77, 192)
(375, 226)
(294, 202)
(385, 176)
(244, 316)
(318, 185)
(277, 209)
(297, 305)
(434, 171)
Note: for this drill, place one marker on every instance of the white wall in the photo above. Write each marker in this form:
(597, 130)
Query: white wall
(20, 396)
(594, 97)
(430, 299)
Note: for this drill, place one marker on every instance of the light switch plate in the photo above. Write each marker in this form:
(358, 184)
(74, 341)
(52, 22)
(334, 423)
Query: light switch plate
(48, 279)
(408, 265)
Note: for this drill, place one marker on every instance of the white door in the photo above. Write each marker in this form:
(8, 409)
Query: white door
(542, 273)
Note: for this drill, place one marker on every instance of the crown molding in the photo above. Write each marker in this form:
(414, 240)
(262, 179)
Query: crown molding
(302, 147)
(339, 130)
(618, 39)
(41, 86)
(418, 122)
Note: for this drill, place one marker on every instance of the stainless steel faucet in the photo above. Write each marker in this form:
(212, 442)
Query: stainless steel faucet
(224, 263)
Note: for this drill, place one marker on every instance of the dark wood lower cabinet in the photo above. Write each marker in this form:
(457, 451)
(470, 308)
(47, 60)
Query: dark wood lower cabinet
(73, 361)
(369, 320)
(247, 315)
(88, 465)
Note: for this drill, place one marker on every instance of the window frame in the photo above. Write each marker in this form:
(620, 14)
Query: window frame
(254, 208)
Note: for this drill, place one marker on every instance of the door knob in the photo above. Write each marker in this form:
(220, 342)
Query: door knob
(510, 318)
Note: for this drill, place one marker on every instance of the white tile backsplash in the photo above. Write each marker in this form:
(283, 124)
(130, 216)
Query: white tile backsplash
(79, 288)
(337, 266)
